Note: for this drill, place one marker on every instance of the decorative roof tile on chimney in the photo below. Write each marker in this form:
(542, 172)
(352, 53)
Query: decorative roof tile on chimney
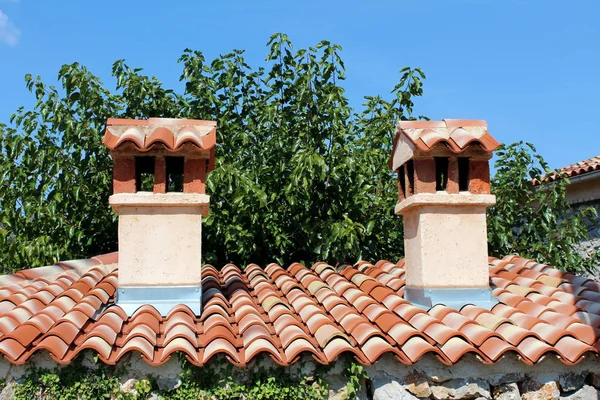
(160, 168)
(443, 193)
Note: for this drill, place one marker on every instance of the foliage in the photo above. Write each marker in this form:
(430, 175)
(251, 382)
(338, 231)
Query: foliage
(300, 176)
(535, 222)
(54, 173)
(356, 374)
(211, 382)
(72, 382)
(259, 383)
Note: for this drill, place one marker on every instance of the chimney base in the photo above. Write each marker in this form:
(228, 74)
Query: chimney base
(160, 250)
(451, 298)
(162, 298)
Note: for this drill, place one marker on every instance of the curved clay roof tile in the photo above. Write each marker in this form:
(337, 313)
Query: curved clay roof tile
(161, 135)
(110, 140)
(189, 134)
(424, 136)
(368, 320)
(133, 135)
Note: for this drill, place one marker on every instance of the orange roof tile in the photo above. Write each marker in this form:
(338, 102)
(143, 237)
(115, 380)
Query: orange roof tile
(580, 168)
(68, 307)
(455, 134)
(168, 133)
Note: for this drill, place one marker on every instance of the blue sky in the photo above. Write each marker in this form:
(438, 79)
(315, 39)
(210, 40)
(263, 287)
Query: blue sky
(530, 68)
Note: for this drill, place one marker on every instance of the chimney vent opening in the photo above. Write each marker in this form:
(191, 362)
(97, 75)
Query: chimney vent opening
(441, 173)
(144, 174)
(401, 183)
(174, 174)
(463, 174)
(410, 173)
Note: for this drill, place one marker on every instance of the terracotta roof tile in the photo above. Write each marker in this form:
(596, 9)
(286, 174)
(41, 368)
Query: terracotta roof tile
(452, 134)
(69, 307)
(171, 134)
(580, 168)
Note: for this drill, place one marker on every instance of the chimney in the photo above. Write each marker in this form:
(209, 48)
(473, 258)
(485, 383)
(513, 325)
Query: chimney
(443, 193)
(159, 176)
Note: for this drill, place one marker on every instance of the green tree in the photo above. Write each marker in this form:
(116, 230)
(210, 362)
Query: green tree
(535, 221)
(300, 174)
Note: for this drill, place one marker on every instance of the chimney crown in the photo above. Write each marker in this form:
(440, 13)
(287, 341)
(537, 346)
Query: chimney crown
(449, 155)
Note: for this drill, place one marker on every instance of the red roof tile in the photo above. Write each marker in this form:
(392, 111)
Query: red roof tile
(171, 134)
(580, 168)
(69, 307)
(455, 134)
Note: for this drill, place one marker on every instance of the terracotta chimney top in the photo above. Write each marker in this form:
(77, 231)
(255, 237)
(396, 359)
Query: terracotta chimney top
(443, 193)
(160, 168)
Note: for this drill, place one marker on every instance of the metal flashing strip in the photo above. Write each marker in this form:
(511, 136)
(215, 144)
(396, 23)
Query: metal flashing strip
(452, 298)
(163, 298)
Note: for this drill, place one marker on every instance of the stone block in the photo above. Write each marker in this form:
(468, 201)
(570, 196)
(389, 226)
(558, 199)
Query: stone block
(128, 386)
(500, 379)
(571, 381)
(387, 389)
(534, 390)
(417, 385)
(507, 391)
(585, 393)
(594, 380)
(462, 389)
(8, 393)
(168, 382)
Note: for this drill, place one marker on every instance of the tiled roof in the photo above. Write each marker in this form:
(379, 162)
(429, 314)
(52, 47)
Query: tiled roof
(170, 133)
(580, 168)
(66, 308)
(455, 134)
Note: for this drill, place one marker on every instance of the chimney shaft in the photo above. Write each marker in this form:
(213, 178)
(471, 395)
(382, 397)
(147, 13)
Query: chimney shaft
(444, 190)
(160, 166)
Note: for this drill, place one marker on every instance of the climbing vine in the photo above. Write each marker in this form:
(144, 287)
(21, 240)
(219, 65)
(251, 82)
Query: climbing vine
(219, 380)
(356, 374)
(72, 382)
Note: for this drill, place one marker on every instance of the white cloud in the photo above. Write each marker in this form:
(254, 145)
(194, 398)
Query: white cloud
(9, 33)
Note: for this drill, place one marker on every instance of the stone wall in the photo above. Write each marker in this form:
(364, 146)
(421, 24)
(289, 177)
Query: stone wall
(389, 379)
(470, 379)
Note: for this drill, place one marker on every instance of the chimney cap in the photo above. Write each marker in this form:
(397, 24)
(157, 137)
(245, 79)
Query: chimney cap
(159, 134)
(454, 135)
